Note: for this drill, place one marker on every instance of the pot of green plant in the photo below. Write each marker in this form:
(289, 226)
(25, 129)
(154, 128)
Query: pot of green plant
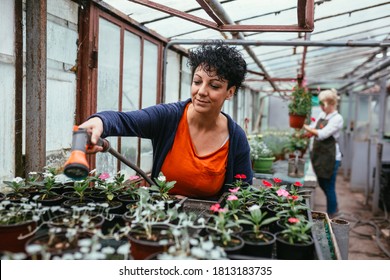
(145, 242)
(18, 190)
(295, 242)
(258, 242)
(262, 157)
(16, 222)
(55, 243)
(80, 219)
(299, 107)
(69, 203)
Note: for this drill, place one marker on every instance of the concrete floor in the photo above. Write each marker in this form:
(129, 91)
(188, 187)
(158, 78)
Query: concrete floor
(362, 234)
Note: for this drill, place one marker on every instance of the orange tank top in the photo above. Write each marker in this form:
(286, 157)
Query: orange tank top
(195, 176)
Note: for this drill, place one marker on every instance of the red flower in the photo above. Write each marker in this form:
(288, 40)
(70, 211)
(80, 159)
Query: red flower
(298, 184)
(293, 220)
(240, 176)
(277, 180)
(215, 207)
(266, 183)
(313, 119)
(293, 197)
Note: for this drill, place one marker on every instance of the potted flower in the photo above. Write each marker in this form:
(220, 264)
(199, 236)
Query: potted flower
(295, 241)
(47, 195)
(257, 241)
(300, 106)
(262, 157)
(298, 142)
(277, 141)
(224, 230)
(149, 226)
(162, 187)
(18, 189)
(17, 220)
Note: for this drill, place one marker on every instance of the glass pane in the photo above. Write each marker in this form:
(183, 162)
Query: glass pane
(186, 80)
(149, 92)
(172, 77)
(130, 94)
(362, 118)
(387, 119)
(108, 84)
(149, 79)
(374, 115)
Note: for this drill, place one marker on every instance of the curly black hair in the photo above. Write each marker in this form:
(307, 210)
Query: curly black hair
(226, 60)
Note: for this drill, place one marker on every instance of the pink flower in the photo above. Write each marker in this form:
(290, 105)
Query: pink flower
(222, 210)
(104, 176)
(293, 220)
(282, 192)
(134, 177)
(277, 180)
(215, 207)
(298, 184)
(234, 190)
(232, 197)
(266, 183)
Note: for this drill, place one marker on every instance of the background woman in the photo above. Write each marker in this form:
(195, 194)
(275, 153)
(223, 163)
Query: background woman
(326, 155)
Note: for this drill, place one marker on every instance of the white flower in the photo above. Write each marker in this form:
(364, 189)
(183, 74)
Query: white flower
(108, 250)
(33, 249)
(123, 249)
(254, 207)
(162, 178)
(198, 253)
(18, 180)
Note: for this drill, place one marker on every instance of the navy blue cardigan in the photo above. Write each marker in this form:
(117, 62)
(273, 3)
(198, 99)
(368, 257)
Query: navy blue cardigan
(159, 123)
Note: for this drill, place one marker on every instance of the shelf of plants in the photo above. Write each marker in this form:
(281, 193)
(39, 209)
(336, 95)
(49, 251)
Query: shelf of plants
(108, 217)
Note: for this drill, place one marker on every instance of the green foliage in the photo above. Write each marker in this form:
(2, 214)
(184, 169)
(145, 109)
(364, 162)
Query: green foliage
(301, 102)
(163, 186)
(259, 149)
(297, 141)
(257, 219)
(298, 232)
(277, 141)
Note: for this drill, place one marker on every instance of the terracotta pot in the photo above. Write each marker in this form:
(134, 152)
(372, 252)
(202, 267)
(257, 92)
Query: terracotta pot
(9, 236)
(56, 244)
(68, 221)
(142, 248)
(297, 121)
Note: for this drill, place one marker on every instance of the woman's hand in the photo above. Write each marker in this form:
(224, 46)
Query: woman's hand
(94, 127)
(310, 131)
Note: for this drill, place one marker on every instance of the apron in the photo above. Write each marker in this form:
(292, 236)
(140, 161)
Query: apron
(323, 155)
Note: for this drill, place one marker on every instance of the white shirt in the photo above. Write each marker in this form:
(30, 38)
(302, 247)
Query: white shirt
(333, 128)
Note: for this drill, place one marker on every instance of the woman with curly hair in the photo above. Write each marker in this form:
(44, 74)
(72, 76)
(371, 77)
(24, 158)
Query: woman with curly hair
(194, 142)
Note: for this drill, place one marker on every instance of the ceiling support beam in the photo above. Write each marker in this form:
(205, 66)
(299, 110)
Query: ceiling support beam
(384, 64)
(231, 26)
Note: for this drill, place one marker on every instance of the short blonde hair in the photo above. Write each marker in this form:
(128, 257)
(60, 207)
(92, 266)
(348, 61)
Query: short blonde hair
(329, 96)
